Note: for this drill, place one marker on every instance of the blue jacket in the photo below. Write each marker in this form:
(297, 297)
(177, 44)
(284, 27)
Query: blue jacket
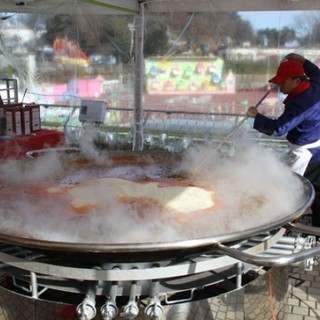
(300, 121)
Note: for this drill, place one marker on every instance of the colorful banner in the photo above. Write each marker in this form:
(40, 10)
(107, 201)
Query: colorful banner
(184, 75)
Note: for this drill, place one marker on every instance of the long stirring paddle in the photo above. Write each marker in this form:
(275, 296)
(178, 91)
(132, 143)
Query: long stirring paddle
(233, 130)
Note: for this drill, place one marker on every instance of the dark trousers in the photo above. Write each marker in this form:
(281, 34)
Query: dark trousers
(313, 175)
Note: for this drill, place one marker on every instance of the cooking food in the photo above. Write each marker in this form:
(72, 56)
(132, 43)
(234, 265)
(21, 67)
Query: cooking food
(137, 199)
(146, 196)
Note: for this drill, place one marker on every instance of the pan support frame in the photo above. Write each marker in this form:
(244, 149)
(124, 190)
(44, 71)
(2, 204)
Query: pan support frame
(135, 285)
(34, 276)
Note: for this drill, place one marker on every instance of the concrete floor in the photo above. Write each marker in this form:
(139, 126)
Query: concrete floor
(304, 289)
(304, 294)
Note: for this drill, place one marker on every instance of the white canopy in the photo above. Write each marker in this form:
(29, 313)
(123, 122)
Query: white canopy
(132, 6)
(70, 6)
(231, 5)
(139, 8)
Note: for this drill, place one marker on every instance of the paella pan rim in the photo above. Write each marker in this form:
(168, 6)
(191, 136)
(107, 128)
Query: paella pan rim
(306, 200)
(102, 248)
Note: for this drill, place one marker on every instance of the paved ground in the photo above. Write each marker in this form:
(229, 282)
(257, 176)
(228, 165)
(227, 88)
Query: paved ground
(304, 293)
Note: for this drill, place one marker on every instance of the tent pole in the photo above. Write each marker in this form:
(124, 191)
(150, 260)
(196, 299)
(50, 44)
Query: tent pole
(139, 79)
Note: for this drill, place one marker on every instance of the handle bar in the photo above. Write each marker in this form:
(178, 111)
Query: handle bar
(267, 261)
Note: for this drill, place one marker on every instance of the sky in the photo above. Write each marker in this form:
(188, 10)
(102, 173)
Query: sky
(270, 19)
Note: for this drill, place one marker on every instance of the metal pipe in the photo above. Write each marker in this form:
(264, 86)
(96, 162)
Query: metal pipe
(154, 309)
(109, 310)
(131, 310)
(283, 243)
(87, 309)
(239, 275)
(289, 240)
(284, 247)
(139, 73)
(303, 228)
(278, 252)
(267, 261)
(34, 285)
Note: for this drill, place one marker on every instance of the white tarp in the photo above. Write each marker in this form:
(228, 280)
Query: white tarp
(231, 5)
(73, 41)
(70, 6)
(131, 6)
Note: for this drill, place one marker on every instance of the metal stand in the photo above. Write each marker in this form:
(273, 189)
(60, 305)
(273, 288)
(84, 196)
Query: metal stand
(9, 94)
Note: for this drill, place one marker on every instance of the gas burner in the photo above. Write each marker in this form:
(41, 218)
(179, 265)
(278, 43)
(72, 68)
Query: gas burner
(113, 284)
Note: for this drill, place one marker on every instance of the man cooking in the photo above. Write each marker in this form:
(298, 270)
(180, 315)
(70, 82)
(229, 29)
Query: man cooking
(299, 79)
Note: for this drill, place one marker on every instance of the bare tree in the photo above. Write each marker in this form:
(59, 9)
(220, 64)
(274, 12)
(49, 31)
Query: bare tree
(307, 28)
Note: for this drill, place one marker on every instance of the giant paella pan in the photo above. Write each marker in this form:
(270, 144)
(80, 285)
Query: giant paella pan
(135, 202)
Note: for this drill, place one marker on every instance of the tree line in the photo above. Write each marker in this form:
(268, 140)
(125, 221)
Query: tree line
(172, 33)
(196, 32)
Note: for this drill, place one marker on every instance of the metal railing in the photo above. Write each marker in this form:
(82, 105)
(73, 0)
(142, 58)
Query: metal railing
(168, 129)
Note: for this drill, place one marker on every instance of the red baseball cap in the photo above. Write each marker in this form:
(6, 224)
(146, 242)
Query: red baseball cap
(286, 70)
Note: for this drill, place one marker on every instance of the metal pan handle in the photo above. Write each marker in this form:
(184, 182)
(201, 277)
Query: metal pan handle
(299, 227)
(267, 261)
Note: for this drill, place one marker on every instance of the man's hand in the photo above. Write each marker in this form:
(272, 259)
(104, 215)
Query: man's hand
(296, 57)
(252, 112)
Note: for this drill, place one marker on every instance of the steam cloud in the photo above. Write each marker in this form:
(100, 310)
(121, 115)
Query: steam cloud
(252, 189)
